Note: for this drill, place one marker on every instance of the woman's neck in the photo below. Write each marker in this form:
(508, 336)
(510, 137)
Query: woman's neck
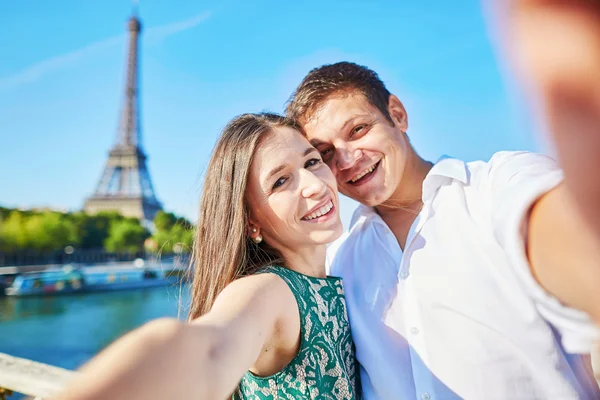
(309, 260)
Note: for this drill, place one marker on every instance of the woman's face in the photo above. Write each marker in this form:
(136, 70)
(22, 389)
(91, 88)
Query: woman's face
(292, 194)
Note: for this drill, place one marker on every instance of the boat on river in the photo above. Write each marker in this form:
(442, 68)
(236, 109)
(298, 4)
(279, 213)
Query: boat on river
(70, 279)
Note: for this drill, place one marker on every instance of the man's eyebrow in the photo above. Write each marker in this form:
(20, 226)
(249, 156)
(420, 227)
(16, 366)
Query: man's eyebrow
(350, 120)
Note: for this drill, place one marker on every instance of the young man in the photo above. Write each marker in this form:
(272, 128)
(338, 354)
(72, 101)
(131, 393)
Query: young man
(463, 280)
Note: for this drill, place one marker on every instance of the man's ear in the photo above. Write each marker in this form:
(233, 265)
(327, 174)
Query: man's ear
(398, 113)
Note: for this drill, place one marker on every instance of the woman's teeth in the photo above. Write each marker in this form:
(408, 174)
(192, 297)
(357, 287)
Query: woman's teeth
(357, 177)
(321, 211)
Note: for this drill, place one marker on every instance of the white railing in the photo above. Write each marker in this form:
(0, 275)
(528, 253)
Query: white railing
(31, 378)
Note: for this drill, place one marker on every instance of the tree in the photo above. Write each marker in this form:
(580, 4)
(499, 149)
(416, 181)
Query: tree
(184, 236)
(12, 232)
(4, 213)
(50, 231)
(93, 230)
(164, 221)
(126, 235)
(170, 231)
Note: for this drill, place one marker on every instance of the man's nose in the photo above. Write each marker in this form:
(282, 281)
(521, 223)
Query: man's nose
(347, 157)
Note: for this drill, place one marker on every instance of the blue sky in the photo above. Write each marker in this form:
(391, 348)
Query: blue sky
(202, 63)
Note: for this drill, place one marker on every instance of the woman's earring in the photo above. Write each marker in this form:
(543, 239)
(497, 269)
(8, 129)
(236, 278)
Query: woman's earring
(258, 238)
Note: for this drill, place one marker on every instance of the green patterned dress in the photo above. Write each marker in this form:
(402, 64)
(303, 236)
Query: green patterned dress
(325, 367)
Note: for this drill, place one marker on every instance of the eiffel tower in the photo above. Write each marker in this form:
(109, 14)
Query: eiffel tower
(125, 184)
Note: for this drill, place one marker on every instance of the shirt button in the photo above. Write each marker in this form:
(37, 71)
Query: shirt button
(425, 396)
(414, 331)
(403, 274)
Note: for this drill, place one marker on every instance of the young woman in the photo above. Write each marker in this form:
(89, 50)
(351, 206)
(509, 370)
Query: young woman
(265, 321)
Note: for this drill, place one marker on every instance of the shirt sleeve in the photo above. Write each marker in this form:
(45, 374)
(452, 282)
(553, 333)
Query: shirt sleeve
(516, 181)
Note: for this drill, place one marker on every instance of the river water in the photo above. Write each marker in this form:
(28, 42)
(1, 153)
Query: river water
(68, 330)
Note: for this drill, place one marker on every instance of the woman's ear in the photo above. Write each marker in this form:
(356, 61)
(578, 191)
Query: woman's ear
(252, 229)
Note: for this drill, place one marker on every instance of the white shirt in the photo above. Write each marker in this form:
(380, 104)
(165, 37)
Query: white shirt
(458, 314)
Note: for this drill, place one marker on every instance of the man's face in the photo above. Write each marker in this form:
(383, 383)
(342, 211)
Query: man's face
(365, 152)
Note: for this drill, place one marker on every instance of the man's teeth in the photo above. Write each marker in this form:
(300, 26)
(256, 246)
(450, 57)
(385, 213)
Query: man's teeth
(321, 211)
(357, 177)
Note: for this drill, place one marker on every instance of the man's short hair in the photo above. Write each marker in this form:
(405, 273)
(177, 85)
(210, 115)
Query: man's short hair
(339, 79)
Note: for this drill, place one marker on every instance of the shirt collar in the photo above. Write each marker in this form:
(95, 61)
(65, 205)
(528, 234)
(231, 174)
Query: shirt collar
(444, 169)
(448, 167)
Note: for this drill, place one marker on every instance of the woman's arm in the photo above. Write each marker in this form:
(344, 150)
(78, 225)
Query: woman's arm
(560, 70)
(205, 359)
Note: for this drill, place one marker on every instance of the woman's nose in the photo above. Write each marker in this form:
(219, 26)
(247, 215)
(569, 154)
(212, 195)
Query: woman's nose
(312, 186)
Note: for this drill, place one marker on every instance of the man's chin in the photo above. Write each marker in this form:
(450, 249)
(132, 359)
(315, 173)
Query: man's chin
(369, 201)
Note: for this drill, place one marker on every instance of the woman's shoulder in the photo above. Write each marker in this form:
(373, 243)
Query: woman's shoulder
(263, 296)
(269, 288)
(270, 293)
(266, 283)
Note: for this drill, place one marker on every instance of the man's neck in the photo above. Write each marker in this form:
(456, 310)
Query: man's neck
(401, 209)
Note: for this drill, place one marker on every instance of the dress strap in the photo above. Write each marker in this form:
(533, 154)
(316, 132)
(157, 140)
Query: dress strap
(299, 286)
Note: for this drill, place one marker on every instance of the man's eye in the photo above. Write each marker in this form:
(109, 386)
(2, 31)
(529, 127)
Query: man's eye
(357, 129)
(279, 182)
(312, 162)
(326, 153)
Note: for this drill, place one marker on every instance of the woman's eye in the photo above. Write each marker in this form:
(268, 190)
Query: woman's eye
(279, 182)
(312, 162)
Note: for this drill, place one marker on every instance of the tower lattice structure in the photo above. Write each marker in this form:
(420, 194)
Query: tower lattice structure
(125, 185)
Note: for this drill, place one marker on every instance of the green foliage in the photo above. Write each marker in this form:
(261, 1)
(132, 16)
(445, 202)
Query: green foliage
(44, 231)
(126, 235)
(172, 233)
(4, 213)
(93, 230)
(12, 232)
(51, 231)
(164, 221)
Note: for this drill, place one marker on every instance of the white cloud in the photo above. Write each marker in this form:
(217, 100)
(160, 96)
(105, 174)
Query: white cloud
(164, 31)
(36, 71)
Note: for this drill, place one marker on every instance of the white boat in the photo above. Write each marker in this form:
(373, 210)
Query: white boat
(102, 278)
